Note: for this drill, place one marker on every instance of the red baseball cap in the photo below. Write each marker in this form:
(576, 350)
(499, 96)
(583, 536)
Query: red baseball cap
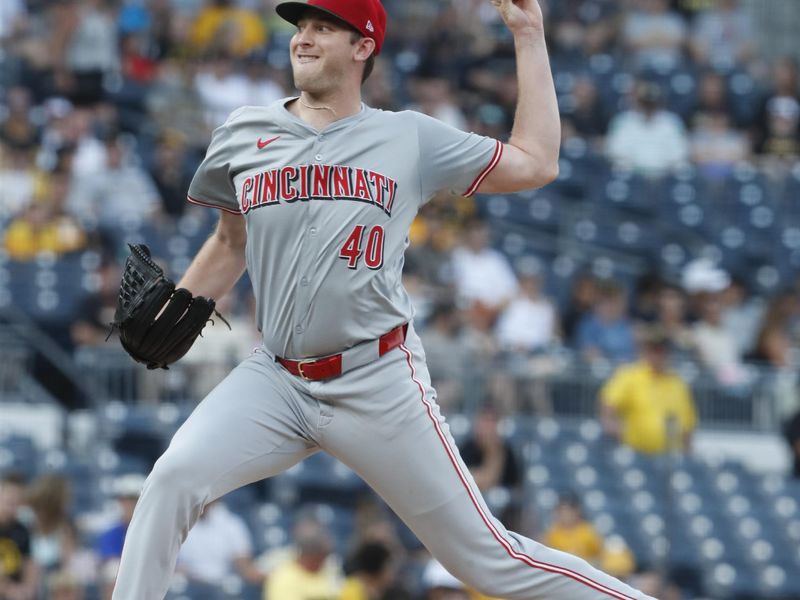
(367, 16)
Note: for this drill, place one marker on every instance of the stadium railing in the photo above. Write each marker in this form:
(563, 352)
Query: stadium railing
(567, 387)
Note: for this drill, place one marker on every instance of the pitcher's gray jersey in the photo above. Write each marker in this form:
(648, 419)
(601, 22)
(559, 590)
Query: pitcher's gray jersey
(328, 214)
(327, 217)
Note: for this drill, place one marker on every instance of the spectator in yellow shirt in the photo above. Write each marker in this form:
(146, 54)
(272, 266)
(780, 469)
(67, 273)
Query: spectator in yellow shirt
(571, 533)
(45, 226)
(306, 575)
(646, 405)
(227, 28)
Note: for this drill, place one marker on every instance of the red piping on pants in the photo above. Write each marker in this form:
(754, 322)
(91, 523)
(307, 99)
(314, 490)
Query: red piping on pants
(504, 542)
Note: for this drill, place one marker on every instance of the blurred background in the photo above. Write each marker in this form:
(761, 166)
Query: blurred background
(617, 353)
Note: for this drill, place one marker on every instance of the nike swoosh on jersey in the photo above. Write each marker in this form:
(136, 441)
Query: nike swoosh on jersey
(261, 145)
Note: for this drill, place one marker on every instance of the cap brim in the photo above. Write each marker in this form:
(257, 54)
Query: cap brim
(292, 11)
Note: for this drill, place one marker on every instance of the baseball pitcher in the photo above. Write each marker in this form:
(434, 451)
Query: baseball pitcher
(316, 196)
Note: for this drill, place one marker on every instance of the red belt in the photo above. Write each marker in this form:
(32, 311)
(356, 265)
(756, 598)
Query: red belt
(327, 367)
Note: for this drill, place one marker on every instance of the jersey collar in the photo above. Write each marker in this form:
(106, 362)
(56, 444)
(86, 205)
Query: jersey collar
(361, 114)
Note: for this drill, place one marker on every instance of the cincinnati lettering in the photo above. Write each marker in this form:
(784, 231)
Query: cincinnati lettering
(317, 182)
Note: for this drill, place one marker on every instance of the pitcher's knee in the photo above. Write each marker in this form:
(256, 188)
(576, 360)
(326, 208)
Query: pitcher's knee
(175, 476)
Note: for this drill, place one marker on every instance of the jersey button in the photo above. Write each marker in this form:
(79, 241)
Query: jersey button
(318, 157)
(299, 329)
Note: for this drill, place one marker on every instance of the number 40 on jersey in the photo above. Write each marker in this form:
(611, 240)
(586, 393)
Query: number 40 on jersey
(372, 250)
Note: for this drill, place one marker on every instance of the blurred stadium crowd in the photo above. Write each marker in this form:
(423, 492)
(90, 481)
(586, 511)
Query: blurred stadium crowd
(672, 235)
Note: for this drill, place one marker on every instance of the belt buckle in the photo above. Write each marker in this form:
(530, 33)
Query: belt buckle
(300, 364)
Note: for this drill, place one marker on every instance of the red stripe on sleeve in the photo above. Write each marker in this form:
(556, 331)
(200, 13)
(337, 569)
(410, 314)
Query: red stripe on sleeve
(208, 204)
(498, 152)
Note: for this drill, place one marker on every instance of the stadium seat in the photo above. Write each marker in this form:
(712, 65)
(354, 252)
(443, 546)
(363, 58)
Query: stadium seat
(194, 590)
(241, 499)
(681, 91)
(537, 211)
(18, 453)
(81, 473)
(683, 548)
(320, 478)
(728, 580)
(744, 95)
(622, 190)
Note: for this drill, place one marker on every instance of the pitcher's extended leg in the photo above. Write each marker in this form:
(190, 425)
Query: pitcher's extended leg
(249, 427)
(390, 431)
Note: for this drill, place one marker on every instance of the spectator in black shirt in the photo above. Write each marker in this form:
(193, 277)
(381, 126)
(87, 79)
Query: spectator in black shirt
(778, 128)
(493, 465)
(18, 574)
(712, 100)
(91, 324)
(581, 302)
(792, 433)
(170, 173)
(586, 110)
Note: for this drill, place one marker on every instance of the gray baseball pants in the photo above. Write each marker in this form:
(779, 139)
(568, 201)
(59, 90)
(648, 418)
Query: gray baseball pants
(381, 420)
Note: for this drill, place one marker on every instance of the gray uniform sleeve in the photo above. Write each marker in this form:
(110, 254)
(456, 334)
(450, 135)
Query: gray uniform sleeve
(451, 159)
(212, 184)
